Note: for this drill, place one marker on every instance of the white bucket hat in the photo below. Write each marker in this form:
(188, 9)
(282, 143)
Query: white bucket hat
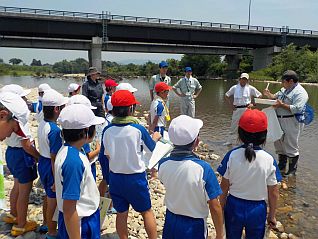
(43, 87)
(19, 109)
(126, 86)
(13, 88)
(53, 98)
(81, 99)
(184, 130)
(78, 116)
(73, 87)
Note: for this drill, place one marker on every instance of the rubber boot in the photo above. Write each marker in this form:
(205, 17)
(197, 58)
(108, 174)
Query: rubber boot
(292, 166)
(282, 161)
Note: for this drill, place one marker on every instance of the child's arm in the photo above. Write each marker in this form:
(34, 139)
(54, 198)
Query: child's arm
(152, 125)
(91, 155)
(29, 148)
(217, 217)
(225, 185)
(71, 219)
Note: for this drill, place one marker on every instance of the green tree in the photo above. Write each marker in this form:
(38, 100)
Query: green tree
(36, 63)
(15, 61)
(199, 63)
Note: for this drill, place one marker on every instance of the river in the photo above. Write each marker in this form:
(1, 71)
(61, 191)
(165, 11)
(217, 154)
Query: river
(299, 203)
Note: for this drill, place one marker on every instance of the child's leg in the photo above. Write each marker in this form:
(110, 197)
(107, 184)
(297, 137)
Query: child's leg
(150, 224)
(44, 210)
(121, 225)
(23, 202)
(51, 206)
(102, 188)
(14, 197)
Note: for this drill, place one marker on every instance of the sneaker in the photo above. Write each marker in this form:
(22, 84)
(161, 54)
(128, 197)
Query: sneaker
(29, 226)
(10, 219)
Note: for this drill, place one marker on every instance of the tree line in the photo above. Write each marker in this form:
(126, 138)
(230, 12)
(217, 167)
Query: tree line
(302, 60)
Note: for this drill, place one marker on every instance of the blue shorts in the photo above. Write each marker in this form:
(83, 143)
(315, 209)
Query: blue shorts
(18, 167)
(179, 226)
(90, 226)
(104, 164)
(129, 189)
(46, 176)
(240, 213)
(160, 129)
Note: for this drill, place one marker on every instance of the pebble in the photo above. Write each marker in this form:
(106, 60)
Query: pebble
(284, 235)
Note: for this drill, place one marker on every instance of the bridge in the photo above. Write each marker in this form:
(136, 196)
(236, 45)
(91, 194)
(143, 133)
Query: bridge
(52, 29)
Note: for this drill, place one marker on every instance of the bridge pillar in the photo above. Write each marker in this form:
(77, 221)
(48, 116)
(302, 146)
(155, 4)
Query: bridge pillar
(263, 57)
(95, 53)
(233, 64)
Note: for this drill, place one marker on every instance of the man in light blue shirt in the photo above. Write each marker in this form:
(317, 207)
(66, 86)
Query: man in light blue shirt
(291, 100)
(188, 88)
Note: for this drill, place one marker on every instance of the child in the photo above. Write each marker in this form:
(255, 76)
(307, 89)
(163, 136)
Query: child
(20, 156)
(126, 86)
(124, 141)
(76, 190)
(110, 87)
(250, 176)
(37, 106)
(159, 112)
(191, 185)
(82, 99)
(50, 141)
(73, 89)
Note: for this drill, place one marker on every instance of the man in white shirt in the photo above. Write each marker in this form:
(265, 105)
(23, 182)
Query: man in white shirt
(240, 97)
(161, 77)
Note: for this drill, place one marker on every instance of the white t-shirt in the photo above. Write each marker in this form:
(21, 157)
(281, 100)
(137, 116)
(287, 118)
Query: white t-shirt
(14, 140)
(244, 94)
(157, 108)
(249, 180)
(74, 181)
(124, 143)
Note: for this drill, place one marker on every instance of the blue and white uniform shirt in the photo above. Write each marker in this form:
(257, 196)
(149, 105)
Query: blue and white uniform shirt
(157, 108)
(74, 181)
(14, 140)
(124, 143)
(50, 140)
(190, 183)
(249, 180)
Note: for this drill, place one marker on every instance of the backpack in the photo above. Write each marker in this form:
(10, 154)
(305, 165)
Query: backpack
(306, 116)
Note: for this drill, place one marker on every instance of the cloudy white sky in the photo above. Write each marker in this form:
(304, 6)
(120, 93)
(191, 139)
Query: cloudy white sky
(293, 13)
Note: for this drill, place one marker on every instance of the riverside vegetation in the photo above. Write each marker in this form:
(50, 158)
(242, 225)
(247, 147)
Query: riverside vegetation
(302, 60)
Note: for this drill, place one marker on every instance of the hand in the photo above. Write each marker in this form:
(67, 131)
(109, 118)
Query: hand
(266, 92)
(271, 221)
(156, 136)
(278, 104)
(194, 96)
(97, 146)
(53, 187)
(250, 106)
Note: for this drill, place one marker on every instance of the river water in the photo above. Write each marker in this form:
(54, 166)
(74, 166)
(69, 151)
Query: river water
(298, 206)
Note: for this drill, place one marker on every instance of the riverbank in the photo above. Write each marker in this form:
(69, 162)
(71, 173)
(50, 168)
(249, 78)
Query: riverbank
(136, 228)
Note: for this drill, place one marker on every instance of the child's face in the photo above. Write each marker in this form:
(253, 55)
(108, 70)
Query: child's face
(164, 94)
(7, 126)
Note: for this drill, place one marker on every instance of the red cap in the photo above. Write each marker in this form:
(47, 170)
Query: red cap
(110, 83)
(253, 121)
(123, 98)
(161, 86)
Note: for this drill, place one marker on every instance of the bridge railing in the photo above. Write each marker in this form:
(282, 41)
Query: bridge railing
(157, 20)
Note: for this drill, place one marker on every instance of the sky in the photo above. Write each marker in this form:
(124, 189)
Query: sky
(300, 14)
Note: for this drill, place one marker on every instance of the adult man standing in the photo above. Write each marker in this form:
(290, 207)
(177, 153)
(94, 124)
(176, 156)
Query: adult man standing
(240, 97)
(93, 90)
(161, 77)
(188, 88)
(291, 100)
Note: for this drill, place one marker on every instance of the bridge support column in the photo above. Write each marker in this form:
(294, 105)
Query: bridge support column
(233, 65)
(95, 53)
(263, 57)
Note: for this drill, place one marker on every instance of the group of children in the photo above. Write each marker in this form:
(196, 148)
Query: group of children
(68, 173)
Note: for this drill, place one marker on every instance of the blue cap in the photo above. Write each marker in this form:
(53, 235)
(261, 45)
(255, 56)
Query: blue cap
(163, 64)
(187, 69)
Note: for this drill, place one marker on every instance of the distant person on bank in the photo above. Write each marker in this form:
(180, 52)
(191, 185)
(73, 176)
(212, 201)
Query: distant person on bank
(93, 90)
(240, 97)
(291, 100)
(161, 77)
(188, 88)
